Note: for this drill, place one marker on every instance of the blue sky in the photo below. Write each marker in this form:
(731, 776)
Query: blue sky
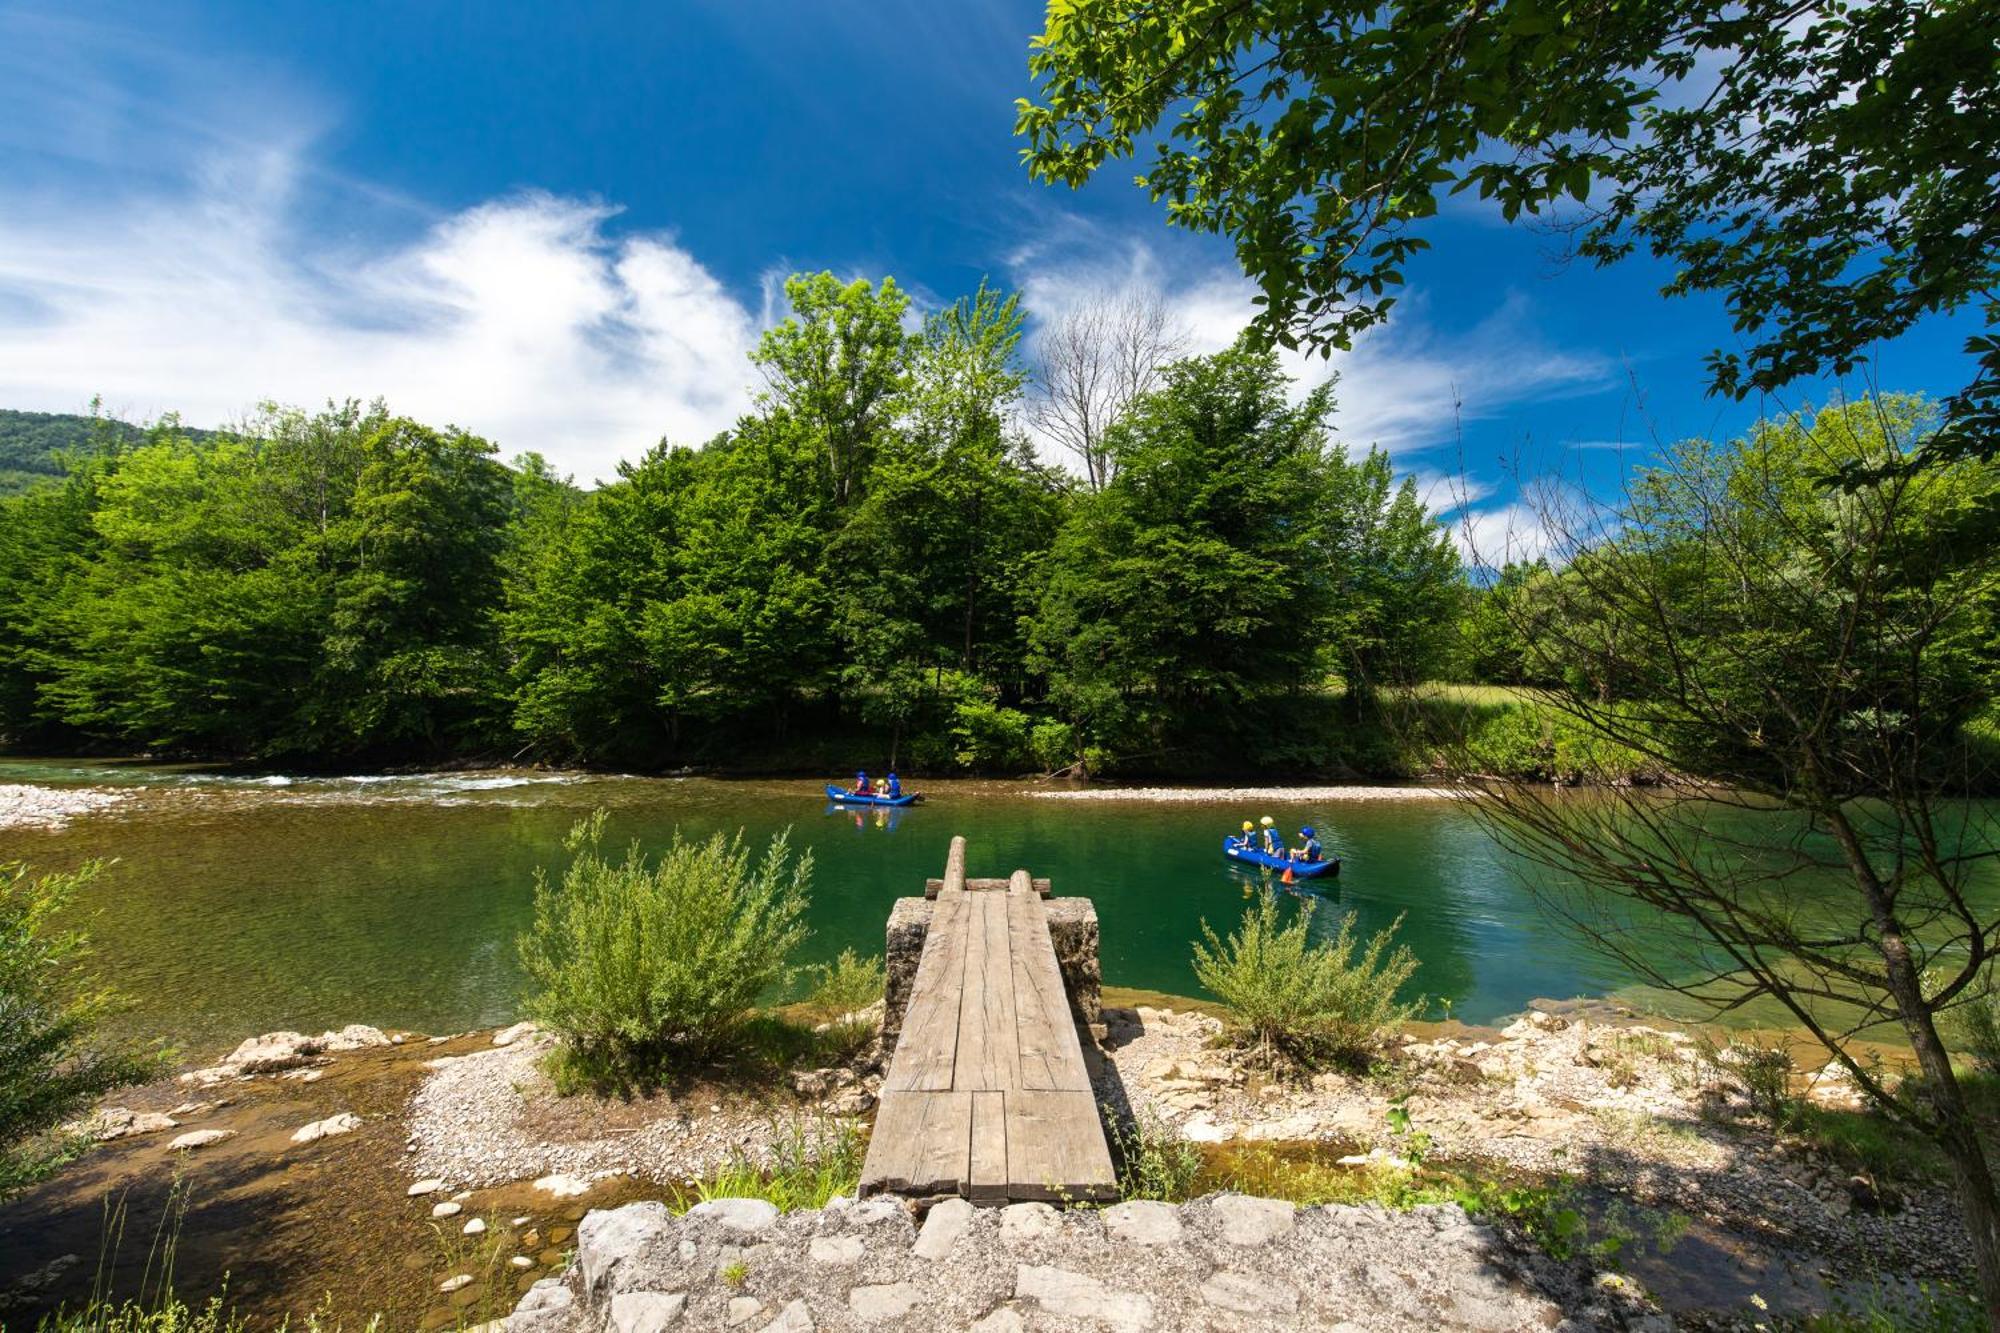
(563, 226)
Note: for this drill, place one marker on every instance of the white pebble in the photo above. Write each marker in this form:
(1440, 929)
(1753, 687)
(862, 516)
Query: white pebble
(447, 1209)
(475, 1227)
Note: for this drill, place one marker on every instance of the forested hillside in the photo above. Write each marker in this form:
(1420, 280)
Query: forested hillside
(872, 566)
(872, 563)
(31, 442)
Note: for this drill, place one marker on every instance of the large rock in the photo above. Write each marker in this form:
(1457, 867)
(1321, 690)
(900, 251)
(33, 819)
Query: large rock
(1073, 931)
(1143, 1222)
(354, 1037)
(200, 1138)
(947, 1222)
(744, 1216)
(1070, 1295)
(545, 1309)
(1249, 1222)
(273, 1051)
(1225, 1262)
(646, 1311)
(118, 1122)
(609, 1239)
(344, 1123)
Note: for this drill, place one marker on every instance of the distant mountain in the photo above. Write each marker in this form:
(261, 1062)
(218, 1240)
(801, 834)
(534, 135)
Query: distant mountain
(29, 442)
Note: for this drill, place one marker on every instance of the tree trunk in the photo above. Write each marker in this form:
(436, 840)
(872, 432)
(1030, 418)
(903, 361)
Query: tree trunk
(1953, 1129)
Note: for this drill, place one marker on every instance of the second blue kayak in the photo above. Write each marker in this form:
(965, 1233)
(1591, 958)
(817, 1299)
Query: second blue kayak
(1235, 851)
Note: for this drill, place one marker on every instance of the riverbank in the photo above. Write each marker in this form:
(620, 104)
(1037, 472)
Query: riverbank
(32, 806)
(376, 1169)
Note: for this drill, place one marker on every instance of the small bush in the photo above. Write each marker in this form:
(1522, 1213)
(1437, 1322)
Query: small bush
(1310, 1001)
(1762, 1074)
(642, 967)
(848, 983)
(990, 737)
(1979, 1026)
(53, 1060)
(1154, 1162)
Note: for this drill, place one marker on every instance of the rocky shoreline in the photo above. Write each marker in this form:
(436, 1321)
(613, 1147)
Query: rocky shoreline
(464, 1138)
(34, 807)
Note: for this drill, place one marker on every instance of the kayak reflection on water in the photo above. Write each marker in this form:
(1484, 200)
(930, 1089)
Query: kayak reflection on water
(885, 817)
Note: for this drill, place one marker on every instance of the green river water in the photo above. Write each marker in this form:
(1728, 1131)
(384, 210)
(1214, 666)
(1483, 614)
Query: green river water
(243, 904)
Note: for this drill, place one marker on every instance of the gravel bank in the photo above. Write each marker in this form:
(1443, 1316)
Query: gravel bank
(1623, 1106)
(493, 1116)
(25, 806)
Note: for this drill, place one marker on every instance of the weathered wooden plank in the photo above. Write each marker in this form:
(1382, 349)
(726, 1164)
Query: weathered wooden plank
(989, 1049)
(1056, 1148)
(987, 1176)
(979, 884)
(927, 1049)
(954, 871)
(1050, 1054)
(921, 1144)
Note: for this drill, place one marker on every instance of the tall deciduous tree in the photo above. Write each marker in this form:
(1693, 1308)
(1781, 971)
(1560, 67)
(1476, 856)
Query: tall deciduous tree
(836, 364)
(1095, 361)
(1190, 580)
(1811, 658)
(1829, 169)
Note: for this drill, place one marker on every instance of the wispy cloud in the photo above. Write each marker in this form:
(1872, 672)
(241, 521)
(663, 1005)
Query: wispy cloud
(524, 319)
(1406, 385)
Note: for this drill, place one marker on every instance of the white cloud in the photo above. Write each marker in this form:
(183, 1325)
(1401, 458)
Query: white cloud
(1490, 538)
(1405, 385)
(523, 319)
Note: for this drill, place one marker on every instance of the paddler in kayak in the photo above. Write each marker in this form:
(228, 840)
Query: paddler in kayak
(1249, 835)
(892, 787)
(1271, 843)
(1309, 849)
(862, 787)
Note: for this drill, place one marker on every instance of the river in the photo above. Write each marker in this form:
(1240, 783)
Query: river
(243, 904)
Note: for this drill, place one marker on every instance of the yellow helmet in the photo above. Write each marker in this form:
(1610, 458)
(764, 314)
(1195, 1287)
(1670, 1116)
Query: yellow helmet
(1247, 826)
(1268, 821)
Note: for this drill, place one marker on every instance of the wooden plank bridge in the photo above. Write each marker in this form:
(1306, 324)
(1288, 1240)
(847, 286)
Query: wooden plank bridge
(987, 1095)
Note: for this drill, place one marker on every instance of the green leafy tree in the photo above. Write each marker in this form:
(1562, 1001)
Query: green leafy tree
(836, 364)
(1190, 582)
(54, 1057)
(1827, 169)
(1397, 585)
(1810, 659)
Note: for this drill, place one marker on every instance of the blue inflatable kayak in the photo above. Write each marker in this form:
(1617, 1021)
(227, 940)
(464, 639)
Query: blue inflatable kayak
(844, 797)
(1235, 851)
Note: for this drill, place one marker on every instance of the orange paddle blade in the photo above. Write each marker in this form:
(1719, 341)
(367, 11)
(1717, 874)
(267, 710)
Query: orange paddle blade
(1289, 879)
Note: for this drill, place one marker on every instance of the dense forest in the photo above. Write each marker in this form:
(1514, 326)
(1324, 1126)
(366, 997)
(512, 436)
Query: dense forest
(872, 566)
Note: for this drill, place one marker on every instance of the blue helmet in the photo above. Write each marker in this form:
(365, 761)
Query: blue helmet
(1307, 832)
(860, 775)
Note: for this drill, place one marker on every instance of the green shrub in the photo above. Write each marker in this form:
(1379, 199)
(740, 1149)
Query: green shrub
(990, 737)
(812, 1161)
(848, 983)
(1311, 1001)
(1154, 1162)
(1979, 1026)
(643, 967)
(53, 1060)
(1761, 1073)
(1053, 744)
